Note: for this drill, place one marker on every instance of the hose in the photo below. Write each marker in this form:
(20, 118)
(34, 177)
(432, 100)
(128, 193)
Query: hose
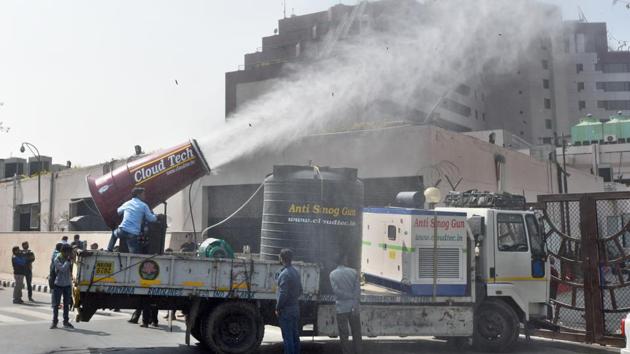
(234, 213)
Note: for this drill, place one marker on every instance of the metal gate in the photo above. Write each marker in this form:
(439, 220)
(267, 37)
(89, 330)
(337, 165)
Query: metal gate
(588, 239)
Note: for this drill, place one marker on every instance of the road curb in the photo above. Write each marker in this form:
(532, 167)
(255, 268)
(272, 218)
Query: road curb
(40, 288)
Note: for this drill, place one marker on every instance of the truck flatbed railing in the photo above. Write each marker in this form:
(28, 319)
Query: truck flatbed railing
(184, 275)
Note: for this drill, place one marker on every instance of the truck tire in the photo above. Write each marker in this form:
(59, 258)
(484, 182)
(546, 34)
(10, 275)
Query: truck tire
(496, 327)
(233, 327)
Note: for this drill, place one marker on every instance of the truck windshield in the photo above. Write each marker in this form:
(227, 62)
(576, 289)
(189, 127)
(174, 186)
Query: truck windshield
(511, 235)
(535, 236)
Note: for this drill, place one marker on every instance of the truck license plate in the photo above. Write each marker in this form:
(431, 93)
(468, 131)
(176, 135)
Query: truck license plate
(104, 268)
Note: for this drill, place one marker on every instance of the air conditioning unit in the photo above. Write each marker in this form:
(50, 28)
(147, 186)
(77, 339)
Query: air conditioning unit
(610, 138)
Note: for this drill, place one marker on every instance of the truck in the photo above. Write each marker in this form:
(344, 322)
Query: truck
(501, 283)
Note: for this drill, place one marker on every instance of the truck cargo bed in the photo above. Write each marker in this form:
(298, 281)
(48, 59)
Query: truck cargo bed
(184, 275)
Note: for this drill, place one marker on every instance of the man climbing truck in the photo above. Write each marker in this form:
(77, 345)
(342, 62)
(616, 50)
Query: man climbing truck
(465, 271)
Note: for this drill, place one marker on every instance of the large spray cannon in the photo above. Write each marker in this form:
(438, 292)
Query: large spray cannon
(162, 174)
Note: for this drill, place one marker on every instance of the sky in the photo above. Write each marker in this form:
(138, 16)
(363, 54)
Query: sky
(85, 81)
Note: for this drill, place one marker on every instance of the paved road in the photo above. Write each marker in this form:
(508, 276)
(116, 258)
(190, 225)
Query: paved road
(24, 330)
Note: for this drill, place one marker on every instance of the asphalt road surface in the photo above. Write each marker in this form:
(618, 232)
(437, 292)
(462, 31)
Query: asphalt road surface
(24, 330)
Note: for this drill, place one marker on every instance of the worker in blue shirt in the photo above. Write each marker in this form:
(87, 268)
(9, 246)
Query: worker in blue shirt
(134, 213)
(287, 306)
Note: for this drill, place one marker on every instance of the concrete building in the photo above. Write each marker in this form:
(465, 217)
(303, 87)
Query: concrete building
(590, 77)
(561, 76)
(307, 37)
(39, 164)
(12, 166)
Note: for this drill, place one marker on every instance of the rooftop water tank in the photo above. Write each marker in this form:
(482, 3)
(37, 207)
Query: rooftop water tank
(589, 130)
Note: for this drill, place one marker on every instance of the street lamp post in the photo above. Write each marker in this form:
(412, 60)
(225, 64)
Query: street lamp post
(39, 178)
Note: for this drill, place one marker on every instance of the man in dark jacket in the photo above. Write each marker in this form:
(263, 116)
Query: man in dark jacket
(19, 272)
(30, 258)
(287, 306)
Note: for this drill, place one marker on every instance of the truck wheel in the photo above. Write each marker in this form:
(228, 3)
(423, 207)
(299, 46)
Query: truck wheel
(496, 327)
(233, 327)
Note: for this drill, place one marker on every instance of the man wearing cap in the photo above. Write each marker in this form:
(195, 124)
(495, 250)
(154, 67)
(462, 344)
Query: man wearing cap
(134, 212)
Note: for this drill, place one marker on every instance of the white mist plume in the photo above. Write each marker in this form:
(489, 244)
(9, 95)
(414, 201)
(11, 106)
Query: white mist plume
(409, 54)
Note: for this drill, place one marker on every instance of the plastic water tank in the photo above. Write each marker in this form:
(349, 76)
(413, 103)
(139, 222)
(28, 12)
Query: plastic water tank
(315, 212)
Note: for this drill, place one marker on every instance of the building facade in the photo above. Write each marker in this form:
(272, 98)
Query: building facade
(312, 36)
(560, 77)
(595, 77)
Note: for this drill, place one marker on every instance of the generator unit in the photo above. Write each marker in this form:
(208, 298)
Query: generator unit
(398, 250)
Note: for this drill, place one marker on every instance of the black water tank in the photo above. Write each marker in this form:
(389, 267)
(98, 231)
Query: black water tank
(315, 212)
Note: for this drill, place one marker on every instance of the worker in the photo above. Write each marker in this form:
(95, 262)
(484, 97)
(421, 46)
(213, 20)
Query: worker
(287, 306)
(134, 213)
(347, 289)
(63, 282)
(19, 272)
(77, 243)
(30, 258)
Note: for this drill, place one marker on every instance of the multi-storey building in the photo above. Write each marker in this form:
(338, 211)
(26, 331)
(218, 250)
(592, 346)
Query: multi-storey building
(307, 37)
(593, 78)
(559, 78)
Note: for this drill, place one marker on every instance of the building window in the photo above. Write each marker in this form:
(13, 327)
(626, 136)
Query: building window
(547, 103)
(520, 92)
(483, 117)
(545, 83)
(522, 132)
(545, 64)
(580, 86)
(605, 173)
(581, 105)
(614, 105)
(456, 107)
(476, 114)
(546, 140)
(613, 86)
(613, 67)
(547, 123)
(579, 68)
(520, 112)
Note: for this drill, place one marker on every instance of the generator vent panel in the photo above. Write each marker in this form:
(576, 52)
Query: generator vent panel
(448, 264)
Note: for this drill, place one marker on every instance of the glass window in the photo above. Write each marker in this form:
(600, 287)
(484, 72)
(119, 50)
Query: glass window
(580, 86)
(579, 68)
(511, 236)
(545, 64)
(535, 237)
(548, 124)
(547, 103)
(545, 83)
